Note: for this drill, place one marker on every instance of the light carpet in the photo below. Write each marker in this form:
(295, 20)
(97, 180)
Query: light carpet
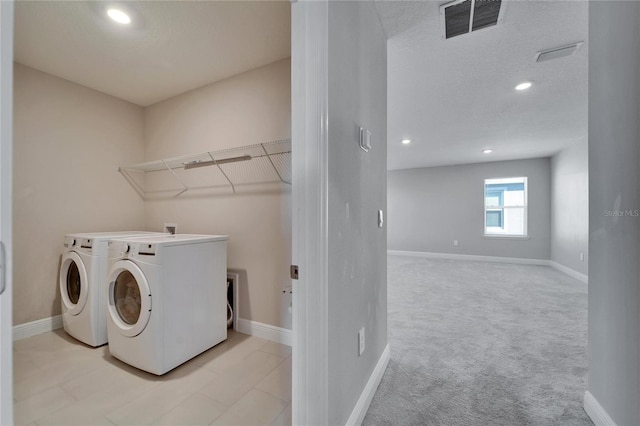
(479, 343)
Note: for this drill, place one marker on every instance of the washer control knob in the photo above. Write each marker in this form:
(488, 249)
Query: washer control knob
(126, 248)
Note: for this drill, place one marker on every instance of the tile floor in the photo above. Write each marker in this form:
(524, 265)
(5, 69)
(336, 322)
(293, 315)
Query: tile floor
(243, 381)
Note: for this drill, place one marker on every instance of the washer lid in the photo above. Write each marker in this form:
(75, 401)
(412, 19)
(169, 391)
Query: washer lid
(129, 298)
(74, 285)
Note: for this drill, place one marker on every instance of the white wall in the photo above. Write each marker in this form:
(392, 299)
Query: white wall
(245, 109)
(570, 207)
(357, 275)
(68, 143)
(614, 182)
(430, 207)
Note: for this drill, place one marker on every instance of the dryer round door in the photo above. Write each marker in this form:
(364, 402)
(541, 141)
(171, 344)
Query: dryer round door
(74, 286)
(129, 298)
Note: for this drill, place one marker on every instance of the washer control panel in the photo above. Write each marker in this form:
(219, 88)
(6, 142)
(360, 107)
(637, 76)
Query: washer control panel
(131, 249)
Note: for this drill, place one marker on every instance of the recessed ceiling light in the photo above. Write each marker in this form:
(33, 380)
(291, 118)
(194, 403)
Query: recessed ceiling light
(524, 86)
(406, 141)
(119, 16)
(487, 151)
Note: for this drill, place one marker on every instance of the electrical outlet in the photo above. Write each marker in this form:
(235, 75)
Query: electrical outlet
(170, 228)
(361, 341)
(455, 243)
(581, 257)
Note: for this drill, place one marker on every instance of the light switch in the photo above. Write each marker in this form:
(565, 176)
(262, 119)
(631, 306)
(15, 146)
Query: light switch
(365, 139)
(380, 218)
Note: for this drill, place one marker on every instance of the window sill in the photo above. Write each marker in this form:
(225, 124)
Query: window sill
(507, 237)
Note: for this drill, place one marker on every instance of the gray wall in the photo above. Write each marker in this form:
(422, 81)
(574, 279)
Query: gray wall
(68, 143)
(357, 293)
(570, 207)
(431, 207)
(614, 184)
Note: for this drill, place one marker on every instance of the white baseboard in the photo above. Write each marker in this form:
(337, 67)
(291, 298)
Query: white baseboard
(254, 328)
(360, 410)
(518, 260)
(28, 329)
(265, 331)
(598, 415)
(572, 273)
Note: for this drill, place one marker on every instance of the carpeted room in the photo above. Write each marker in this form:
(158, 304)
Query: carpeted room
(486, 327)
(476, 343)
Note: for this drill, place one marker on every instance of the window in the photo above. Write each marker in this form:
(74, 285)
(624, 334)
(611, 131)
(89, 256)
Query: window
(505, 207)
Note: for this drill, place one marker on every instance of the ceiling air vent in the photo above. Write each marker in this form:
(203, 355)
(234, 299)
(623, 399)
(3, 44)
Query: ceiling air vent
(558, 52)
(463, 16)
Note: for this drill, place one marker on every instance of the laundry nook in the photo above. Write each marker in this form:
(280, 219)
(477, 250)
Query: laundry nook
(152, 163)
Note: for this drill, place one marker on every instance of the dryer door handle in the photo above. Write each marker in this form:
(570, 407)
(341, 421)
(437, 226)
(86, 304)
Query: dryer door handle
(112, 300)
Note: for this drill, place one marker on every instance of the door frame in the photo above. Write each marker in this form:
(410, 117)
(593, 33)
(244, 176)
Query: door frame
(6, 159)
(309, 118)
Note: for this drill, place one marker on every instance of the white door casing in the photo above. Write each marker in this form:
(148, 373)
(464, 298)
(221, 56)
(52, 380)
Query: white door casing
(6, 142)
(309, 74)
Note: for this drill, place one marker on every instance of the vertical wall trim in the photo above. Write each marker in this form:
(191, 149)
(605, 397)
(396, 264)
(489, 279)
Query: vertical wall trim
(309, 116)
(6, 203)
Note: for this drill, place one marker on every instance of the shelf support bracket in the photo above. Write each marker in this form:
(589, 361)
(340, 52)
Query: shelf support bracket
(186, 188)
(132, 182)
(272, 165)
(233, 187)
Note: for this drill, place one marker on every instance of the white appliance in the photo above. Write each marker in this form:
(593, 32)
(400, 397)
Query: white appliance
(167, 299)
(82, 280)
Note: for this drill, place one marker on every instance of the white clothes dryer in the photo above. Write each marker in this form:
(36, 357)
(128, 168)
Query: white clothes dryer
(82, 281)
(167, 299)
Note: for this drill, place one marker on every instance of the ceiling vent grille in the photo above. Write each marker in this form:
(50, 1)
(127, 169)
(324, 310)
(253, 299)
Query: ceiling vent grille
(558, 52)
(464, 16)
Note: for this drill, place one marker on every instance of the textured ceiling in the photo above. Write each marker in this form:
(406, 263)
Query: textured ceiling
(172, 46)
(455, 97)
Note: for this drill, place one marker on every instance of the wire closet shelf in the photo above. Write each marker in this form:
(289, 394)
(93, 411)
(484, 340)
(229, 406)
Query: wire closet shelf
(267, 162)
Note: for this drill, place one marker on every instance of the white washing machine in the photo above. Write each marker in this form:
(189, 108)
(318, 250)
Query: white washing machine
(83, 279)
(167, 299)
